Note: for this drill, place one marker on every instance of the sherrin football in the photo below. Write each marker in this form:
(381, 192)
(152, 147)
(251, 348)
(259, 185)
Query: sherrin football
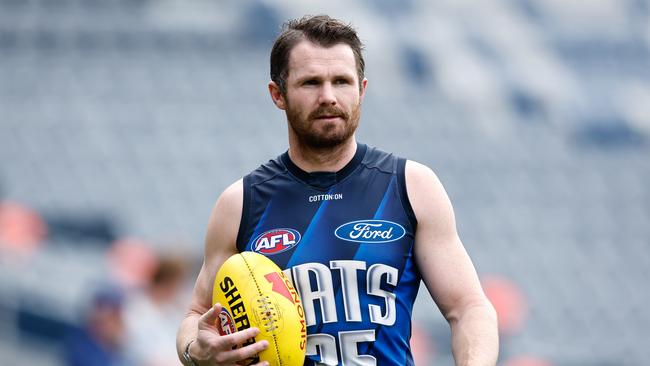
(254, 292)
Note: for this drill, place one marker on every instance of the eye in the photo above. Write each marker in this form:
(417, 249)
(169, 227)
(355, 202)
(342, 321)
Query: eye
(341, 81)
(310, 82)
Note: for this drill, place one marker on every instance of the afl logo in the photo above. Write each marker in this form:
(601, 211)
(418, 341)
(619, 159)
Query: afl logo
(226, 325)
(276, 241)
(370, 231)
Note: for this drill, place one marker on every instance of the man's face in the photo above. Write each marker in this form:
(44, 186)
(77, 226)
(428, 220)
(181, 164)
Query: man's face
(323, 97)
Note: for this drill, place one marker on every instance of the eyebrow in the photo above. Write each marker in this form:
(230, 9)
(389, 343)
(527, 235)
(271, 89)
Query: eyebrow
(320, 78)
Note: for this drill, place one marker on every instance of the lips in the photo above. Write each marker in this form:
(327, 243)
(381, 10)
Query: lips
(328, 113)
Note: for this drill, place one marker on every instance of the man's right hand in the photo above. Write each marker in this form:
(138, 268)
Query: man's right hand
(213, 349)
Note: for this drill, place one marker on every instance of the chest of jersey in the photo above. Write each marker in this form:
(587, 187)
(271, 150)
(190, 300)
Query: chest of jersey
(348, 250)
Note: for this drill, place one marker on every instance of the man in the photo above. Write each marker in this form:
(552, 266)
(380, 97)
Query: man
(362, 226)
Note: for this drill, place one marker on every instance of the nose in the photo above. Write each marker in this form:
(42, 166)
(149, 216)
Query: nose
(327, 96)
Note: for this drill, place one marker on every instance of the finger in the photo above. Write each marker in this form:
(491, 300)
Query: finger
(231, 340)
(210, 316)
(247, 352)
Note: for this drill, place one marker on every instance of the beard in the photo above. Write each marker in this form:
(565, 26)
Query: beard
(316, 134)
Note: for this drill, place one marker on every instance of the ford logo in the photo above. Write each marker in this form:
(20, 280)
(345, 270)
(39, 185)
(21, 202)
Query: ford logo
(370, 231)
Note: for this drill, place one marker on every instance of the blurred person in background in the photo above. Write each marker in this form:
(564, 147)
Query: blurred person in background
(99, 342)
(367, 226)
(153, 313)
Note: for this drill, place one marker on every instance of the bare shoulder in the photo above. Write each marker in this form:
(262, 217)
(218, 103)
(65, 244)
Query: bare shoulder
(223, 225)
(426, 193)
(220, 243)
(418, 174)
(231, 198)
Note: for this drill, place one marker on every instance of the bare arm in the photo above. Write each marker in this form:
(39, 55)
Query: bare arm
(448, 272)
(208, 347)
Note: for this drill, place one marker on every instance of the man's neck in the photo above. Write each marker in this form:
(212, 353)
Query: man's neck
(323, 160)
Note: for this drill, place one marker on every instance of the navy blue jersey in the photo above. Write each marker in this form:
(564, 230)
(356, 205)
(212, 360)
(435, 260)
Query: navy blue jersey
(346, 240)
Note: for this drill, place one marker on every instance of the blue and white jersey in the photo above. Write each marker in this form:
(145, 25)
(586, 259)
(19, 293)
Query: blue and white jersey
(346, 240)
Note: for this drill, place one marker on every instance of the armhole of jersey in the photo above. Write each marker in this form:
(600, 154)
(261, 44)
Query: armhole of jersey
(243, 222)
(401, 176)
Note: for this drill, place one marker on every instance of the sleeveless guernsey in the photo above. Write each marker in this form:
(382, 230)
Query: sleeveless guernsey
(346, 240)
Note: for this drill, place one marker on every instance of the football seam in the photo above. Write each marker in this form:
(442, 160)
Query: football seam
(259, 292)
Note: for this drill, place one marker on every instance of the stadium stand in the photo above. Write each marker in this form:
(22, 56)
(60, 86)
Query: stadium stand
(127, 117)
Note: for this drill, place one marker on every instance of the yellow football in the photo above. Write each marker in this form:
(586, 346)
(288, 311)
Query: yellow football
(254, 292)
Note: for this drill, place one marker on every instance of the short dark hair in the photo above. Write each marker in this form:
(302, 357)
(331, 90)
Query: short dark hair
(320, 29)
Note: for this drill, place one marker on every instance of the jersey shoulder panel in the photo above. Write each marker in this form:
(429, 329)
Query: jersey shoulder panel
(266, 171)
(381, 160)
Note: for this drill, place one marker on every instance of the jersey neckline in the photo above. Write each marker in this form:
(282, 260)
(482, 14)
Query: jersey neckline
(324, 180)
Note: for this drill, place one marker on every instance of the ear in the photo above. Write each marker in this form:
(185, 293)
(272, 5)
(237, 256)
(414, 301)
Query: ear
(276, 95)
(362, 93)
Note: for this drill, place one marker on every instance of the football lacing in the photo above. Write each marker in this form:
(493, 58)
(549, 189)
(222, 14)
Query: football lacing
(268, 313)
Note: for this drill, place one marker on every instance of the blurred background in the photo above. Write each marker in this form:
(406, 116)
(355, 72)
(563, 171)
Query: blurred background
(122, 120)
